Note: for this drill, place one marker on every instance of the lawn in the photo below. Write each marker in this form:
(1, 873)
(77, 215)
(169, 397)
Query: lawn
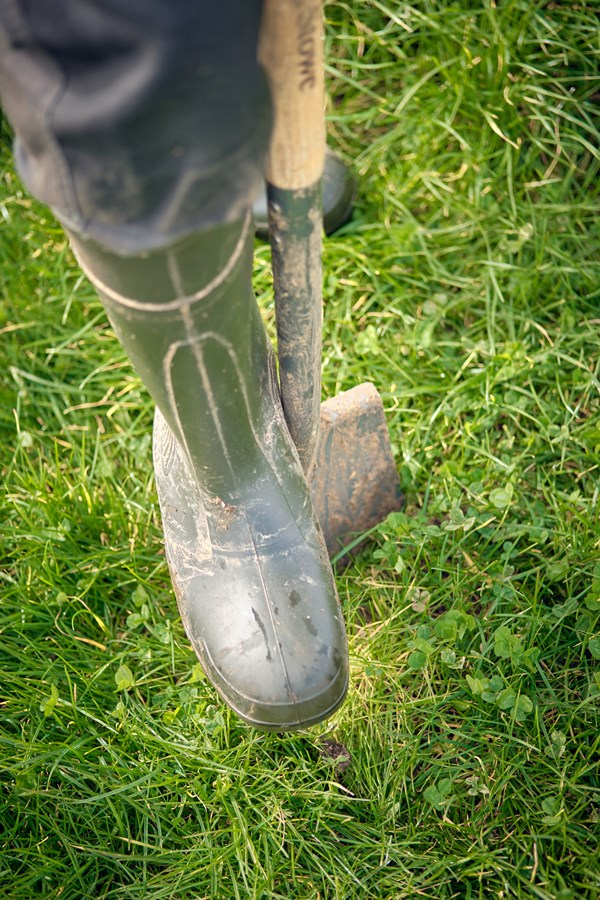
(465, 761)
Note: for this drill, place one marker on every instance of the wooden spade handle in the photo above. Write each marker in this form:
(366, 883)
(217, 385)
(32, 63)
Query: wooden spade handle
(291, 52)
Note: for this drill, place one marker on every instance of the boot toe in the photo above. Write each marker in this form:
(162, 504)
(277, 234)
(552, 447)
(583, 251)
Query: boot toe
(256, 595)
(276, 653)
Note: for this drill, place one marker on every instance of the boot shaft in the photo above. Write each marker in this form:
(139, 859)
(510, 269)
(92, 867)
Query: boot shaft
(189, 321)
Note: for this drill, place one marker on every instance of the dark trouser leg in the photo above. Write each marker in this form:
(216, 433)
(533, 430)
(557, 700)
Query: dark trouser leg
(136, 122)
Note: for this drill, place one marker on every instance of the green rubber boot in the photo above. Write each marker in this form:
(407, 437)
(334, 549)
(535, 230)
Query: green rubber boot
(246, 556)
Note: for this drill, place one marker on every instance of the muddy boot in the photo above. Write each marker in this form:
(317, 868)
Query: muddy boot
(245, 553)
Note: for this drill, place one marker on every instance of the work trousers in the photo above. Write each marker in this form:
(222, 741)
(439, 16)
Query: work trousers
(136, 121)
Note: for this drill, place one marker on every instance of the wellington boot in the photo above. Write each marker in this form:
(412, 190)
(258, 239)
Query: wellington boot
(246, 555)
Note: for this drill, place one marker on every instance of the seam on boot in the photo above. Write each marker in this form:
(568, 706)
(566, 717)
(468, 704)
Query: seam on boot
(180, 302)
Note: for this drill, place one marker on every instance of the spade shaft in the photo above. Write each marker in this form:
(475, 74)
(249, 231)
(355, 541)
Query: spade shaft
(343, 444)
(292, 53)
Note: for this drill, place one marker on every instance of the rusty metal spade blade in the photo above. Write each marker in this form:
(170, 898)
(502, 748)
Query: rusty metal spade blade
(354, 483)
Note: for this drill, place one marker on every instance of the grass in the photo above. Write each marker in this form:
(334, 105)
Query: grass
(464, 763)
